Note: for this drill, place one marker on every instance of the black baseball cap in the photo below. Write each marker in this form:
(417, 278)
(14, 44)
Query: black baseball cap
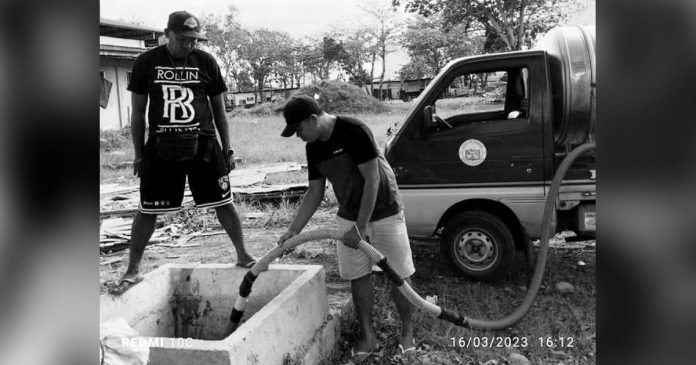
(296, 110)
(185, 24)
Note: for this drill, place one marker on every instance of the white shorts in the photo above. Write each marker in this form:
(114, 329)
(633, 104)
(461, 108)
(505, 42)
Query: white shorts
(388, 236)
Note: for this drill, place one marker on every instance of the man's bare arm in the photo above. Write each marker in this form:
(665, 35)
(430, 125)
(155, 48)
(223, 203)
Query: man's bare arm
(310, 202)
(139, 103)
(370, 173)
(221, 123)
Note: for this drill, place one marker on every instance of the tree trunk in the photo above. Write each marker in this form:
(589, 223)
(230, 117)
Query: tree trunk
(260, 88)
(520, 30)
(372, 73)
(384, 69)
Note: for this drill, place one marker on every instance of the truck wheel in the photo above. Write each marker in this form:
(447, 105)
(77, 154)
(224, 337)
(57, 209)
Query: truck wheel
(478, 243)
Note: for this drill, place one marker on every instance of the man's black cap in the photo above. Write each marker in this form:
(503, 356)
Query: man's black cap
(296, 110)
(185, 24)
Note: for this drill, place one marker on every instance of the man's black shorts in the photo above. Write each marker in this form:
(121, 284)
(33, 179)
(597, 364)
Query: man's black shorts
(162, 182)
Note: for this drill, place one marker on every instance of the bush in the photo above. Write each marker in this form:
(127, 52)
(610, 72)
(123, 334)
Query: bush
(116, 139)
(267, 108)
(335, 97)
(342, 98)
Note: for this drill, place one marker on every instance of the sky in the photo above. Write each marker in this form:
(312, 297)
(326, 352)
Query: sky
(299, 18)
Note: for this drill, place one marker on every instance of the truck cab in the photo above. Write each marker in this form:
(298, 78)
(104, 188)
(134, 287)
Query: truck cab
(475, 155)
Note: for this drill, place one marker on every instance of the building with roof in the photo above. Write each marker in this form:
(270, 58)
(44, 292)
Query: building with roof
(119, 44)
(397, 89)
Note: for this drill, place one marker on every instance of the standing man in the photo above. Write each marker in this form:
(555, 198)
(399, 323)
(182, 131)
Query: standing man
(182, 84)
(343, 150)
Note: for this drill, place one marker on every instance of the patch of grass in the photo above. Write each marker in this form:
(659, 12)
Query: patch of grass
(256, 139)
(113, 140)
(553, 314)
(115, 152)
(280, 214)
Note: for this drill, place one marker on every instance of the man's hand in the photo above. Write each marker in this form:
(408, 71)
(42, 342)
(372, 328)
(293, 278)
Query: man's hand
(137, 163)
(286, 236)
(230, 160)
(353, 237)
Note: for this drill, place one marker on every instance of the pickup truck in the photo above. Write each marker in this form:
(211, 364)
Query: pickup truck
(476, 152)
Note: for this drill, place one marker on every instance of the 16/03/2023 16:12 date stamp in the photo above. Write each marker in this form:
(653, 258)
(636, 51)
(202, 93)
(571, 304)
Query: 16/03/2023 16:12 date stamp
(505, 341)
(489, 342)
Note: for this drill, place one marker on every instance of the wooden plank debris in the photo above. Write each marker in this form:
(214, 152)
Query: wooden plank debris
(111, 260)
(178, 246)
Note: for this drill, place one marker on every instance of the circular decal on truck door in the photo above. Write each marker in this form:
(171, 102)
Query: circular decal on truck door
(472, 152)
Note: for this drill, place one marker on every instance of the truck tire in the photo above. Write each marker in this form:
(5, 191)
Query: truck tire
(478, 244)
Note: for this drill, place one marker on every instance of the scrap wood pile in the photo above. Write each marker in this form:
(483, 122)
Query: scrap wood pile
(115, 234)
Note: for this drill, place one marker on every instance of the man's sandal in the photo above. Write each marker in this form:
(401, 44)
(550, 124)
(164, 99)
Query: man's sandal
(408, 356)
(125, 283)
(359, 357)
(248, 265)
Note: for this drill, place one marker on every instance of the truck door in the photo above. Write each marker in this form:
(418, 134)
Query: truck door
(480, 124)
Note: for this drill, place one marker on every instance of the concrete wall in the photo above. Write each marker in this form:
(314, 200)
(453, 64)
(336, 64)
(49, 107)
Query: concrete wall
(146, 306)
(243, 99)
(183, 310)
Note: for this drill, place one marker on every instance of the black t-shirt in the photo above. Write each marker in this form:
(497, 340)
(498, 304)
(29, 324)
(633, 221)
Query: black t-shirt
(178, 90)
(351, 143)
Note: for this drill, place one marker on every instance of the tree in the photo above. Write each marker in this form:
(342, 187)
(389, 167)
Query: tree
(289, 69)
(508, 25)
(415, 69)
(385, 31)
(224, 38)
(331, 52)
(430, 46)
(355, 53)
(312, 58)
(263, 50)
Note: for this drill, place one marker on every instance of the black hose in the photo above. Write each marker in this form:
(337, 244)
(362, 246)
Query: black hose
(436, 311)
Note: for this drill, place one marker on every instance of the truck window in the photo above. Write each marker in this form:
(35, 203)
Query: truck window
(484, 96)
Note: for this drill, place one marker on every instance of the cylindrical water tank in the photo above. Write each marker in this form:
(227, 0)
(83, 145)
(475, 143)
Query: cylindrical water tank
(572, 63)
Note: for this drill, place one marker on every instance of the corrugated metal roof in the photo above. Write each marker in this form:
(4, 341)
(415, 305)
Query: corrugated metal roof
(120, 51)
(119, 29)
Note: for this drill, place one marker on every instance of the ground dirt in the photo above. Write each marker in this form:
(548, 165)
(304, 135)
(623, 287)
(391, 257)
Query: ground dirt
(570, 317)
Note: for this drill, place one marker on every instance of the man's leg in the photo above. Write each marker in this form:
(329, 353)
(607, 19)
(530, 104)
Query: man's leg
(390, 237)
(363, 298)
(403, 306)
(141, 231)
(229, 219)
